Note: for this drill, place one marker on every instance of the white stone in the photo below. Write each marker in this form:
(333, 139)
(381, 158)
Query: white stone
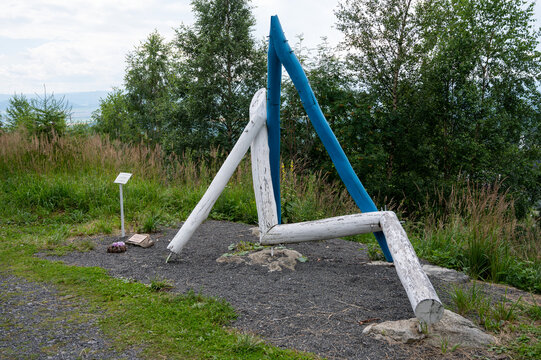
(380, 263)
(456, 329)
(272, 259)
(255, 231)
(404, 331)
(448, 275)
(275, 260)
(452, 329)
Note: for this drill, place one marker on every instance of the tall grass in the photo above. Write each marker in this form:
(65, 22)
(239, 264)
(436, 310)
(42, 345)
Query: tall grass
(474, 229)
(309, 196)
(69, 180)
(59, 176)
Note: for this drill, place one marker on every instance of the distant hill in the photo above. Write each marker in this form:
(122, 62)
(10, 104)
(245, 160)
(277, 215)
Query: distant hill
(82, 103)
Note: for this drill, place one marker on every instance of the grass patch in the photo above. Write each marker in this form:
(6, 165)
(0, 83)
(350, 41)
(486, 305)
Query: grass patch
(53, 191)
(189, 326)
(516, 323)
(474, 230)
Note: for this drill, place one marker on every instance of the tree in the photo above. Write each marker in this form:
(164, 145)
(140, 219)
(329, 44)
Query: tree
(220, 67)
(382, 38)
(115, 118)
(455, 87)
(41, 115)
(147, 81)
(19, 112)
(480, 92)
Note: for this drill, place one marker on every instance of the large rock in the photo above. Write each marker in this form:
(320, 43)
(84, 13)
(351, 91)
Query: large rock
(448, 275)
(273, 259)
(452, 330)
(404, 331)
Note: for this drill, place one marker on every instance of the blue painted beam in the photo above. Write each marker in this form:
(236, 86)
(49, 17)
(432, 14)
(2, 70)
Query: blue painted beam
(274, 80)
(292, 65)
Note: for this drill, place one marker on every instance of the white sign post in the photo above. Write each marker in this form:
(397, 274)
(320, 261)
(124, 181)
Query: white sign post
(122, 179)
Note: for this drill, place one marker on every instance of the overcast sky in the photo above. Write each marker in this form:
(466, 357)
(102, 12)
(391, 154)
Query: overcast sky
(80, 45)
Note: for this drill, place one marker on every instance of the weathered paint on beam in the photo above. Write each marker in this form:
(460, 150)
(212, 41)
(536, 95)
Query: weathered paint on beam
(329, 228)
(421, 294)
(258, 117)
(261, 175)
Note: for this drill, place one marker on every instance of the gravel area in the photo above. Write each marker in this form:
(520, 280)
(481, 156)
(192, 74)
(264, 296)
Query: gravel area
(321, 307)
(317, 308)
(37, 322)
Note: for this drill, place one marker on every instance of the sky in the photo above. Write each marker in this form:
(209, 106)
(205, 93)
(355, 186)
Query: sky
(81, 45)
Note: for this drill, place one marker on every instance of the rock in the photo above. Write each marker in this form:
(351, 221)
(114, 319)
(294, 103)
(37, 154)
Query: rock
(235, 259)
(380, 263)
(275, 259)
(255, 231)
(456, 329)
(142, 240)
(452, 329)
(404, 331)
(116, 248)
(448, 275)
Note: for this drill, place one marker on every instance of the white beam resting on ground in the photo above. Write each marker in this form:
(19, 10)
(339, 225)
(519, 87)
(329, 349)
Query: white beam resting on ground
(329, 228)
(258, 118)
(421, 294)
(264, 194)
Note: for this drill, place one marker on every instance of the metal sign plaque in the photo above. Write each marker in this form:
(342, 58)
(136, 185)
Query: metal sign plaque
(122, 178)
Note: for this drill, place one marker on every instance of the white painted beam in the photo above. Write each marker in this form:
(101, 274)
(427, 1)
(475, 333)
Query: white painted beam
(329, 228)
(263, 190)
(421, 294)
(258, 117)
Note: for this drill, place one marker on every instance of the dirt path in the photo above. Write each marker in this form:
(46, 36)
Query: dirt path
(37, 322)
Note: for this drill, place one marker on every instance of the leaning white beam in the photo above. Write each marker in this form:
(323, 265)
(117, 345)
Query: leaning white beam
(258, 117)
(329, 228)
(264, 194)
(421, 294)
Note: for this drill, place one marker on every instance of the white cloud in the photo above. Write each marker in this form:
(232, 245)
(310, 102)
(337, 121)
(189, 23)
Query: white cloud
(79, 45)
(311, 19)
(85, 41)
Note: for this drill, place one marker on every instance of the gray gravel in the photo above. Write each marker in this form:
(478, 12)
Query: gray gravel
(37, 322)
(316, 308)
(321, 307)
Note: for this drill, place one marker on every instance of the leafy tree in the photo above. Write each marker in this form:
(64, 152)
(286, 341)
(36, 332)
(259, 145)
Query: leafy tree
(115, 118)
(455, 87)
(19, 112)
(41, 115)
(479, 92)
(348, 111)
(382, 37)
(220, 67)
(147, 81)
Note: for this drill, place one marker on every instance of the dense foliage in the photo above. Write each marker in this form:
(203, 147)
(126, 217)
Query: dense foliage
(43, 115)
(192, 93)
(454, 87)
(421, 94)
